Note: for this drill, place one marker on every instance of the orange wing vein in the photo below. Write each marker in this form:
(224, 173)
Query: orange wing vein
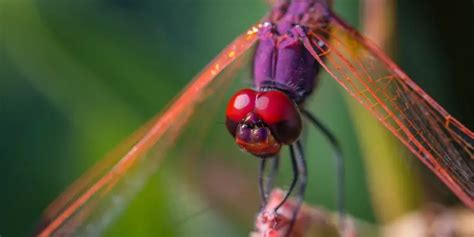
(109, 172)
(440, 141)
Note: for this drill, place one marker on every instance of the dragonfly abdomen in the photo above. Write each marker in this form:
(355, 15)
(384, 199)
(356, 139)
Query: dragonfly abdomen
(282, 62)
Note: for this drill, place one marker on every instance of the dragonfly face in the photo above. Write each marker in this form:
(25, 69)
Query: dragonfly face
(262, 122)
(284, 74)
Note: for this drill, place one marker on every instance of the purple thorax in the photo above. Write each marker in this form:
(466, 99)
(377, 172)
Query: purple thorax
(281, 61)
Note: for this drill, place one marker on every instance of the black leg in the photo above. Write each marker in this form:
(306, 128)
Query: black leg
(261, 188)
(265, 183)
(339, 161)
(299, 162)
(293, 181)
(273, 172)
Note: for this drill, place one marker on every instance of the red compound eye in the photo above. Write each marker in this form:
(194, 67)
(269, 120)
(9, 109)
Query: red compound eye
(242, 103)
(279, 113)
(263, 121)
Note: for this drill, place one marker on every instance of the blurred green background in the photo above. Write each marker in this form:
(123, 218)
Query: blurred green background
(77, 77)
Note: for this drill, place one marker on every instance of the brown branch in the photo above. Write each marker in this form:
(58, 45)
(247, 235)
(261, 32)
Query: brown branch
(311, 221)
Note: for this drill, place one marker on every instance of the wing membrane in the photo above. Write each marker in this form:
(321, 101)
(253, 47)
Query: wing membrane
(73, 207)
(435, 137)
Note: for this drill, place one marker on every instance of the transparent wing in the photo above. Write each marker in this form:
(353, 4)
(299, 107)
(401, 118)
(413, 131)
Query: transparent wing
(435, 137)
(104, 189)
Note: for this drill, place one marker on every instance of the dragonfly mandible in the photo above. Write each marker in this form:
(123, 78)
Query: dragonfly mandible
(297, 40)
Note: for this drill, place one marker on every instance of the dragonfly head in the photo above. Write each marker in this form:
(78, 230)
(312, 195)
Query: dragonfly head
(261, 122)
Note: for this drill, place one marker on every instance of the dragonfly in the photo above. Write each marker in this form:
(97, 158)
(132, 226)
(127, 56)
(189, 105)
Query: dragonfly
(291, 46)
